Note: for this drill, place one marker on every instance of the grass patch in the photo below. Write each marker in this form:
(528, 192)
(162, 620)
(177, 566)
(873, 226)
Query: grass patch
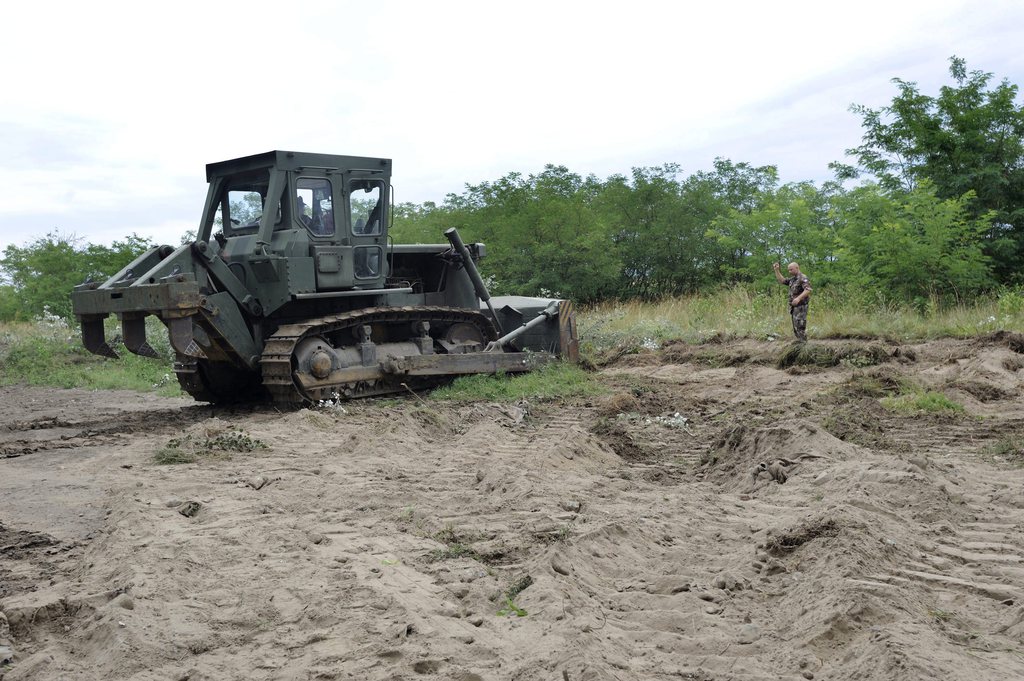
(1008, 449)
(207, 445)
(918, 401)
(556, 380)
(50, 353)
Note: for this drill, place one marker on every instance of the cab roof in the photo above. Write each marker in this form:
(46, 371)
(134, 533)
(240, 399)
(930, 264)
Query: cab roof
(297, 160)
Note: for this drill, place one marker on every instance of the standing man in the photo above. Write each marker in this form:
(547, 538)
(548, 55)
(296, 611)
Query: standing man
(799, 294)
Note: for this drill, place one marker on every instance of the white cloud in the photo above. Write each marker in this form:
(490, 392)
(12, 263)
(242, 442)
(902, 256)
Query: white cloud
(109, 111)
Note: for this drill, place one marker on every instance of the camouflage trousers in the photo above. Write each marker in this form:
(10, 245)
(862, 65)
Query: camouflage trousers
(799, 314)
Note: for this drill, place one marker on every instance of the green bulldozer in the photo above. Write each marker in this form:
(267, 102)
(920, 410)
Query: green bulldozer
(293, 291)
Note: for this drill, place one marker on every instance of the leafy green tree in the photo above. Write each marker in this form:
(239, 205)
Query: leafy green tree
(42, 274)
(9, 302)
(543, 233)
(793, 222)
(659, 223)
(913, 247)
(643, 212)
(637, 235)
(417, 223)
(734, 189)
(969, 138)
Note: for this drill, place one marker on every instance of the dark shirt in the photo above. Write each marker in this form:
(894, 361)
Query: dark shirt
(798, 285)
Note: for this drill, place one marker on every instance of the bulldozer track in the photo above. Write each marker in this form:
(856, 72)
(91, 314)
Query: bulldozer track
(276, 360)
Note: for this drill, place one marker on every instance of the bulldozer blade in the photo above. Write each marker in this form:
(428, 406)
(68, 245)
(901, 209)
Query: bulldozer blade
(182, 340)
(133, 331)
(94, 340)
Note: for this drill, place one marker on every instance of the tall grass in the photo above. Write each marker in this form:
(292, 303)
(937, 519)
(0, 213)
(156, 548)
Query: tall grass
(49, 352)
(742, 313)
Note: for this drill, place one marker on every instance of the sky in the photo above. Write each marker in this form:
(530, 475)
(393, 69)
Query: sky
(109, 111)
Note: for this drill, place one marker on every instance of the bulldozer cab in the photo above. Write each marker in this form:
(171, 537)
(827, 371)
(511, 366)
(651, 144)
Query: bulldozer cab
(333, 210)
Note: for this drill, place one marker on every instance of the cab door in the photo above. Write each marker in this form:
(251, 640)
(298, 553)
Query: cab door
(315, 209)
(367, 212)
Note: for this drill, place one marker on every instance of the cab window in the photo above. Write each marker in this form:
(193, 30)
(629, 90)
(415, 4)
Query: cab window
(366, 261)
(366, 198)
(243, 202)
(313, 207)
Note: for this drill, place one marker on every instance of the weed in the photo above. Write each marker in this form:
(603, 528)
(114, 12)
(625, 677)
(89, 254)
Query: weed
(876, 383)
(452, 551)
(511, 608)
(455, 545)
(167, 456)
(447, 534)
(516, 588)
(193, 447)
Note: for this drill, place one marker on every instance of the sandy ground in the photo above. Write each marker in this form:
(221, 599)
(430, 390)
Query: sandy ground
(637, 532)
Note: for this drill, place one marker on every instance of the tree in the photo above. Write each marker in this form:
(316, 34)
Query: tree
(731, 188)
(970, 138)
(643, 213)
(915, 247)
(793, 222)
(42, 274)
(543, 233)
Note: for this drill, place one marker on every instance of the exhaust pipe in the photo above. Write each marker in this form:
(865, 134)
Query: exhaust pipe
(474, 275)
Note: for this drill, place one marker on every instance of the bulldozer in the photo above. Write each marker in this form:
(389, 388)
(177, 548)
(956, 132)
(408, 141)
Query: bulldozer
(294, 291)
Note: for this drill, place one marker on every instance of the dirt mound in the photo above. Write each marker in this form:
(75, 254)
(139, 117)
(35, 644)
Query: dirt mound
(1012, 340)
(989, 375)
(830, 355)
(746, 457)
(717, 353)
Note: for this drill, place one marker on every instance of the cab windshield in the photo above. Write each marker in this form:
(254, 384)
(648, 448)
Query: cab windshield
(243, 202)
